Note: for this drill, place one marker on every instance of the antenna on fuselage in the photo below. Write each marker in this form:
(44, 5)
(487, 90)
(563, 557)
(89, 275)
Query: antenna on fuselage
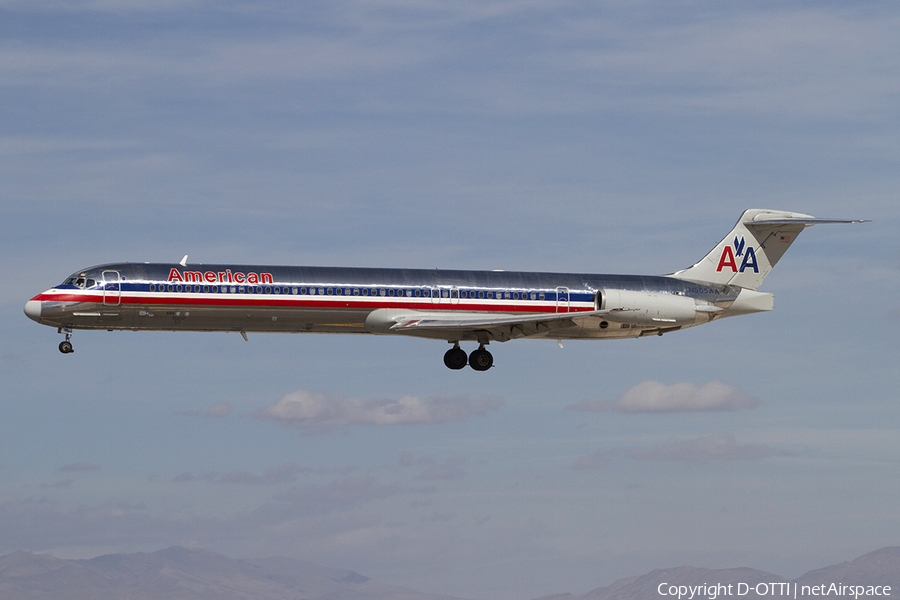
(183, 262)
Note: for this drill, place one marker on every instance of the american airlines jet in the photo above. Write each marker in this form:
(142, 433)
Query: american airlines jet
(455, 306)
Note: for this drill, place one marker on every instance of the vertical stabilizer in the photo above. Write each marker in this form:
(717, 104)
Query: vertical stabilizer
(747, 254)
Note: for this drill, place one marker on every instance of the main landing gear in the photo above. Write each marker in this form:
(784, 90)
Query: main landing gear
(480, 360)
(65, 346)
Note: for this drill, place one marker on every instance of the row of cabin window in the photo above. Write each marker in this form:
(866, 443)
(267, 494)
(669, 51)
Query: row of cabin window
(312, 291)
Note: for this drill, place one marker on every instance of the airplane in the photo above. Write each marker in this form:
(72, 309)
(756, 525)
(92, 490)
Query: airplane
(452, 305)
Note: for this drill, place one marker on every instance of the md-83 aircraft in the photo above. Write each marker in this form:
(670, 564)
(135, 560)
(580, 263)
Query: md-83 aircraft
(450, 305)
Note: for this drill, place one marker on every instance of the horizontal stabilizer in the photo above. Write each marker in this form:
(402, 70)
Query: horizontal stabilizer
(801, 221)
(749, 252)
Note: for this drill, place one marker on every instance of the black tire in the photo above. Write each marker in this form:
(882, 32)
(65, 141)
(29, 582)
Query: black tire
(455, 359)
(481, 360)
(66, 347)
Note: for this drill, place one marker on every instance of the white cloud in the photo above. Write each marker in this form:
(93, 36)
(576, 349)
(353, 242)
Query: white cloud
(317, 409)
(653, 397)
(220, 410)
(719, 446)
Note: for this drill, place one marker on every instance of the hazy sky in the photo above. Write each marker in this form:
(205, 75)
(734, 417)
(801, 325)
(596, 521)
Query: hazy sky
(605, 137)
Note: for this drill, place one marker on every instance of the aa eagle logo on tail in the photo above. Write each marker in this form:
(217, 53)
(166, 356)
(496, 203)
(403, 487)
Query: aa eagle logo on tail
(729, 257)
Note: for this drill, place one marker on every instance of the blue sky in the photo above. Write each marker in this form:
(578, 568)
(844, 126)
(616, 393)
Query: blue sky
(607, 138)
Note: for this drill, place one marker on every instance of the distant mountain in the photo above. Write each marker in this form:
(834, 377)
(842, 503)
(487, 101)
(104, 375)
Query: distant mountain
(180, 574)
(881, 567)
(878, 568)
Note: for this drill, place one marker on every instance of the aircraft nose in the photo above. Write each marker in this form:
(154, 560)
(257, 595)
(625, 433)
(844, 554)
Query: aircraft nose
(33, 310)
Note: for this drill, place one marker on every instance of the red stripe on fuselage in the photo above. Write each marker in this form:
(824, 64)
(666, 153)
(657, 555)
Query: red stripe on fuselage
(305, 301)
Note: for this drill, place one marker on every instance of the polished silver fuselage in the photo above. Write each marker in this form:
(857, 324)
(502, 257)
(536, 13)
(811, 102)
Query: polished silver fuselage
(176, 297)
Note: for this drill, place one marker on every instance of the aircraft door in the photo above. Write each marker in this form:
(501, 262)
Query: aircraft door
(454, 295)
(562, 299)
(112, 288)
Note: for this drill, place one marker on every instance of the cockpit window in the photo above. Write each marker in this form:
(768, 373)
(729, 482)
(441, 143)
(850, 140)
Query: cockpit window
(82, 282)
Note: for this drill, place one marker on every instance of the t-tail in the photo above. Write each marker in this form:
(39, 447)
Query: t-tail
(755, 245)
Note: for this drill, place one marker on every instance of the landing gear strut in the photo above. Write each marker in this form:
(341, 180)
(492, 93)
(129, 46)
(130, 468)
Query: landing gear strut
(66, 345)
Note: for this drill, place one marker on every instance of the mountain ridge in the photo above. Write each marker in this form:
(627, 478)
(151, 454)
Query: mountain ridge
(178, 573)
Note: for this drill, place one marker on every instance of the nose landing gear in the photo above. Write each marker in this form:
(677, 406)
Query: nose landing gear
(66, 345)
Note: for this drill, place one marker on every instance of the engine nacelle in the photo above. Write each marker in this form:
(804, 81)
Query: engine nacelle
(649, 308)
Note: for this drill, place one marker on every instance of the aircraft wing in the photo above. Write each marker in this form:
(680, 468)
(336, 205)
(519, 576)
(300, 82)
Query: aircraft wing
(501, 327)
